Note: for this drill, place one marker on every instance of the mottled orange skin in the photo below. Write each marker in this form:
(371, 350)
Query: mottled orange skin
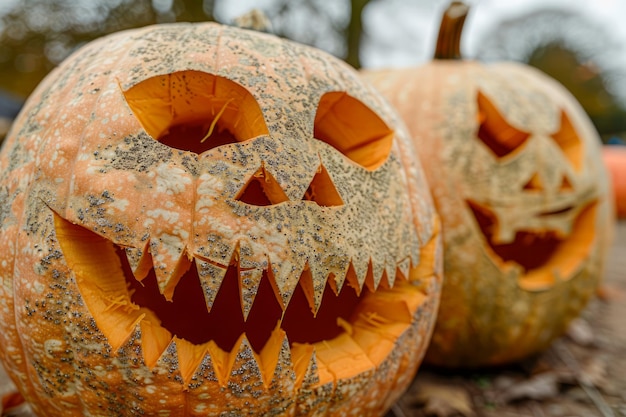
(78, 152)
(614, 158)
(493, 312)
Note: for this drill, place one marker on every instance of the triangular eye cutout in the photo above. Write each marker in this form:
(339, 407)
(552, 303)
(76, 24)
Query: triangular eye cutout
(322, 190)
(195, 111)
(495, 131)
(534, 184)
(568, 140)
(262, 189)
(353, 129)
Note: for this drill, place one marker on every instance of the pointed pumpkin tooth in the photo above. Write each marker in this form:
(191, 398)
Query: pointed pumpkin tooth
(222, 361)
(376, 268)
(272, 353)
(389, 275)
(245, 369)
(140, 261)
(190, 357)
(403, 268)
(306, 282)
(170, 261)
(360, 267)
(313, 397)
(154, 339)
(277, 363)
(211, 277)
(353, 280)
(334, 285)
(337, 276)
(249, 284)
(284, 277)
(304, 365)
(319, 276)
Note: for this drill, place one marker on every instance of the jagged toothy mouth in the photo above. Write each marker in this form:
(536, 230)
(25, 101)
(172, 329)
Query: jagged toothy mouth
(346, 320)
(543, 255)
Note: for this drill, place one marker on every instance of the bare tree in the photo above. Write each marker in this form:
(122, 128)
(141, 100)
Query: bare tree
(35, 35)
(570, 48)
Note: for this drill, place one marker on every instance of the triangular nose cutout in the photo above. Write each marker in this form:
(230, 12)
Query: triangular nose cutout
(566, 185)
(322, 190)
(262, 190)
(534, 184)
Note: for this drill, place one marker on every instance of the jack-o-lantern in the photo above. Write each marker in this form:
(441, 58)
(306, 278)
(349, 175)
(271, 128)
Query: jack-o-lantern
(614, 158)
(203, 220)
(515, 170)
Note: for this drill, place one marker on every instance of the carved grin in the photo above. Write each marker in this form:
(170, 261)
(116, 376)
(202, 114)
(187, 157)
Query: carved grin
(543, 255)
(342, 318)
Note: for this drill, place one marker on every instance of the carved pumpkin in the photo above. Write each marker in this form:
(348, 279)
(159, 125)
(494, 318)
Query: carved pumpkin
(515, 170)
(203, 220)
(614, 158)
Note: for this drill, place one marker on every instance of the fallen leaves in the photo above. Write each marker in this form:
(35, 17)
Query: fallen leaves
(443, 400)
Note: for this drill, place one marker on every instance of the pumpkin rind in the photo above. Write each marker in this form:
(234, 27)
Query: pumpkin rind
(81, 175)
(538, 184)
(614, 157)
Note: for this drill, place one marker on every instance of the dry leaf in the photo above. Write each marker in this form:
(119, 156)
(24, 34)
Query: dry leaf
(594, 371)
(581, 332)
(538, 387)
(443, 400)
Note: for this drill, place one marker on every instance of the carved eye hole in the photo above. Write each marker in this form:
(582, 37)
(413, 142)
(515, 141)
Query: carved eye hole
(195, 111)
(353, 129)
(495, 131)
(568, 140)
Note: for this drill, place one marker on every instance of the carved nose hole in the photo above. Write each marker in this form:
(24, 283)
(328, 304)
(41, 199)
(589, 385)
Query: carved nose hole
(322, 190)
(262, 189)
(534, 184)
(195, 111)
(566, 185)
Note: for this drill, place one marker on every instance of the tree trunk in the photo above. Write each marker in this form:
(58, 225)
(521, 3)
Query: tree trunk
(353, 33)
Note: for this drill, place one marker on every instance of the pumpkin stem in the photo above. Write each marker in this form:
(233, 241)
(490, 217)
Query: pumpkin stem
(449, 39)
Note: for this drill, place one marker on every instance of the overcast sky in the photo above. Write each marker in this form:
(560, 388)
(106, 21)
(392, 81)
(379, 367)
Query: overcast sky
(405, 30)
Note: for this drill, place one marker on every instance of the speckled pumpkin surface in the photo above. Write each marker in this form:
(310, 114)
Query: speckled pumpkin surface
(515, 170)
(202, 220)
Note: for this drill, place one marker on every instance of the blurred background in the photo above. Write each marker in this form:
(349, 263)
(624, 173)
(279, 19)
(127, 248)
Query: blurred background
(580, 43)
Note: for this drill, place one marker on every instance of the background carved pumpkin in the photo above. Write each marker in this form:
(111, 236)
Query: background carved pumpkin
(515, 170)
(203, 220)
(614, 157)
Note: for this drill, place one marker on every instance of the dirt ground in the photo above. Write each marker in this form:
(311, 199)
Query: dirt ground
(583, 374)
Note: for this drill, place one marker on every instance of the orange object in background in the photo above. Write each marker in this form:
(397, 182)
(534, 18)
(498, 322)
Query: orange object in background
(615, 160)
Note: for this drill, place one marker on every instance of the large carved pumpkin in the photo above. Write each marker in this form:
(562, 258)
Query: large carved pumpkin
(202, 220)
(515, 169)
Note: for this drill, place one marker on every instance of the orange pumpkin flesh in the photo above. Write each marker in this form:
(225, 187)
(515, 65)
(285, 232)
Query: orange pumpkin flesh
(201, 232)
(514, 167)
(614, 158)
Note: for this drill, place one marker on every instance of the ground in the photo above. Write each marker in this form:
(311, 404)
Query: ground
(583, 374)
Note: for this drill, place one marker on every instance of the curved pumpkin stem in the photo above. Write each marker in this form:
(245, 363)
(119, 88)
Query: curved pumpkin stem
(449, 39)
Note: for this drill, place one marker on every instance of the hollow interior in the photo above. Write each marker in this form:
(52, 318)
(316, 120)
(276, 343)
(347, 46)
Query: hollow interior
(542, 253)
(350, 334)
(262, 189)
(195, 111)
(225, 323)
(353, 129)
